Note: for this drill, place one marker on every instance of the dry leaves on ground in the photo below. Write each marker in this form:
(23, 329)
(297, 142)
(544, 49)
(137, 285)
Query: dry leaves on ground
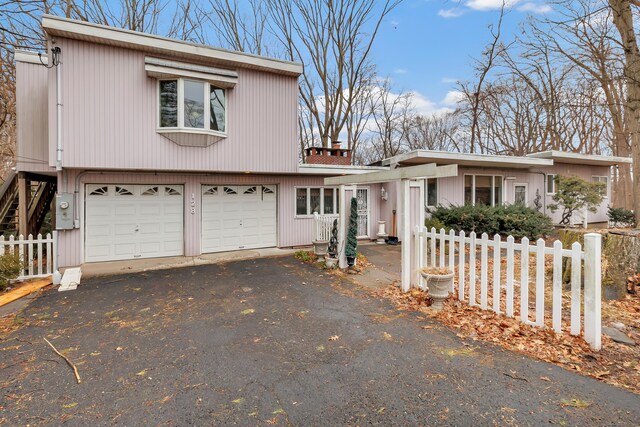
(615, 363)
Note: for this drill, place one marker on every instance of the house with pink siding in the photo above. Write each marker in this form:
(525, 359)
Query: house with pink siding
(156, 147)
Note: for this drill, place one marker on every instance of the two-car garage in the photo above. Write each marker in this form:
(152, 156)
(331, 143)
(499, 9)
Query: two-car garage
(131, 221)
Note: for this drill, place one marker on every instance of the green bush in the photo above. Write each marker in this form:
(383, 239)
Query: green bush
(10, 267)
(515, 220)
(435, 223)
(621, 216)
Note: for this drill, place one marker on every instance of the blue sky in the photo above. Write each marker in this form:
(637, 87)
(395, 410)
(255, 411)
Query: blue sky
(424, 46)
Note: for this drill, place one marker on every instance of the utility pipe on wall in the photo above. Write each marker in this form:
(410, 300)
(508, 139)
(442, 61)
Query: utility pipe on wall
(56, 62)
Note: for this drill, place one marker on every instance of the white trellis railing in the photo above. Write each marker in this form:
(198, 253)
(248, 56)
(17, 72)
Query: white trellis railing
(322, 225)
(441, 249)
(37, 255)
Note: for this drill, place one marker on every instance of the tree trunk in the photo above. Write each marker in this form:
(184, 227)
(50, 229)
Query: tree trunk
(623, 20)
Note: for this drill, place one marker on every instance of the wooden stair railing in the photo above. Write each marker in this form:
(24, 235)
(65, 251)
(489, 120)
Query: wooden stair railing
(40, 205)
(8, 201)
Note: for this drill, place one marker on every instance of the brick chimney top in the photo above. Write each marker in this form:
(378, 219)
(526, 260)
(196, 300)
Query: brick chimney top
(328, 156)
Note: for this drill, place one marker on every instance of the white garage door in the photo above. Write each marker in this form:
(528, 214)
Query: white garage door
(238, 217)
(133, 221)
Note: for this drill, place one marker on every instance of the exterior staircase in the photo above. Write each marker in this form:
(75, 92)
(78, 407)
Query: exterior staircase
(40, 192)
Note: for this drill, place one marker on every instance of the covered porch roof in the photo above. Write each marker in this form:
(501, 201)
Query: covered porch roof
(582, 159)
(419, 157)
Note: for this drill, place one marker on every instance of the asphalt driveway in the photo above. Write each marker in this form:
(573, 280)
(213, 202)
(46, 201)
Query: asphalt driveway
(249, 343)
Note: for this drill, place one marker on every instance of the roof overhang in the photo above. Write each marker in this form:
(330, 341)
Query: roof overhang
(430, 170)
(56, 26)
(419, 157)
(337, 170)
(582, 159)
(29, 57)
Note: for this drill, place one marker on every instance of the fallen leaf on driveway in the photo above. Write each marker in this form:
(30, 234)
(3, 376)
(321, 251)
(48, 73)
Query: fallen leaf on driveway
(545, 379)
(387, 336)
(576, 403)
(320, 348)
(238, 401)
(427, 327)
(278, 411)
(119, 348)
(460, 351)
(142, 373)
(248, 311)
(334, 338)
(70, 405)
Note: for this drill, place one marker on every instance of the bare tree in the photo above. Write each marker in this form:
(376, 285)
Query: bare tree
(623, 20)
(333, 40)
(473, 91)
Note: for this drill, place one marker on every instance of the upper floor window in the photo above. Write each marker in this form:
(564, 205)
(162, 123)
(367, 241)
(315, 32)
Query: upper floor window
(191, 104)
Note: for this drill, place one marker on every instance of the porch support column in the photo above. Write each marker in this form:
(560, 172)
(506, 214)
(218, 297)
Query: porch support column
(405, 234)
(23, 204)
(342, 222)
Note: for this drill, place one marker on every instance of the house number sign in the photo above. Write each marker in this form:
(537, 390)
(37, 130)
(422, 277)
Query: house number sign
(193, 203)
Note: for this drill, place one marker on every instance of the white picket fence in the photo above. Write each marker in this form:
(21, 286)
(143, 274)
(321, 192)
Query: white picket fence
(37, 255)
(322, 225)
(440, 249)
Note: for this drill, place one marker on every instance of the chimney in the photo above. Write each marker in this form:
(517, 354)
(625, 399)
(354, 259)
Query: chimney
(328, 156)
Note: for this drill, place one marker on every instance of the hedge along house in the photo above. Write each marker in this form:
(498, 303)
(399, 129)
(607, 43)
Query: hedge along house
(496, 179)
(160, 147)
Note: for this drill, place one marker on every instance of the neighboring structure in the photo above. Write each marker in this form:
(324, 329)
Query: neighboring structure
(156, 147)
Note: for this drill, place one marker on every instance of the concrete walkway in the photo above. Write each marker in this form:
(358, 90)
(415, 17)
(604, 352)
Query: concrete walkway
(386, 265)
(152, 264)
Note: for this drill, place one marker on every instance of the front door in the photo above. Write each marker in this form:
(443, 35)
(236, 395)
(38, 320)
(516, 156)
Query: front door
(362, 196)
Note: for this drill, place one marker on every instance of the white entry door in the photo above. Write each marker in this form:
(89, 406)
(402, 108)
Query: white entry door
(125, 221)
(362, 196)
(238, 217)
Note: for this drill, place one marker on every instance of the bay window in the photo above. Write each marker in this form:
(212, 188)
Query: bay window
(483, 190)
(191, 105)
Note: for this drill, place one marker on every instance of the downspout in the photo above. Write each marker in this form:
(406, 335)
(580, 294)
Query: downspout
(56, 62)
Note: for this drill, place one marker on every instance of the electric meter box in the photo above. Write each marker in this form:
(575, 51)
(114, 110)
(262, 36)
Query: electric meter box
(64, 211)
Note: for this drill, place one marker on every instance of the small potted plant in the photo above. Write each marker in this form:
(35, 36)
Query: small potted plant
(352, 234)
(331, 258)
(439, 282)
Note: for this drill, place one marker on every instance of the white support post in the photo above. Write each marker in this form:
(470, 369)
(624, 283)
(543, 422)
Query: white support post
(342, 227)
(405, 234)
(592, 290)
(418, 257)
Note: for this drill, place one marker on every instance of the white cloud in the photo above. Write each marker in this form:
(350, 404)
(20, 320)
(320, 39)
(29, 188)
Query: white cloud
(489, 4)
(449, 80)
(535, 8)
(424, 106)
(400, 71)
(452, 98)
(454, 12)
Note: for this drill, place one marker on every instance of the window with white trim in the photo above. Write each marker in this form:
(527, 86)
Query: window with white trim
(483, 190)
(551, 184)
(186, 104)
(605, 181)
(323, 200)
(432, 192)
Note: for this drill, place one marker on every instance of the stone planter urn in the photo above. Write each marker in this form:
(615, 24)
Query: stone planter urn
(330, 262)
(439, 282)
(320, 247)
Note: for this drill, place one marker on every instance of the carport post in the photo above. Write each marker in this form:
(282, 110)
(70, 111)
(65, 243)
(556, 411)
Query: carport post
(342, 226)
(405, 234)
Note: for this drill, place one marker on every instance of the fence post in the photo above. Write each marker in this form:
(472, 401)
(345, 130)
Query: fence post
(592, 289)
(55, 254)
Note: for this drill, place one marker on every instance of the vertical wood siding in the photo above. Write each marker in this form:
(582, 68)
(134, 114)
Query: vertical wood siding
(110, 117)
(31, 115)
(292, 231)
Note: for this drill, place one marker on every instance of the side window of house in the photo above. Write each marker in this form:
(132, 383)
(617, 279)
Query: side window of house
(605, 181)
(316, 200)
(191, 104)
(551, 184)
(432, 192)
